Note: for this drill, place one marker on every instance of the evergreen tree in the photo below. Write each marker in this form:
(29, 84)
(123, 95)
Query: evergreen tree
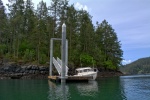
(63, 11)
(54, 10)
(86, 36)
(27, 46)
(3, 25)
(16, 14)
(41, 32)
(72, 31)
(2, 19)
(109, 45)
(29, 18)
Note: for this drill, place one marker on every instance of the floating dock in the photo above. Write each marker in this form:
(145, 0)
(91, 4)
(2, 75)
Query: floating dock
(71, 78)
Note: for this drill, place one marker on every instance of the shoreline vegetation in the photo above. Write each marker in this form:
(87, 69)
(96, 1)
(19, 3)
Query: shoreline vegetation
(12, 70)
(26, 30)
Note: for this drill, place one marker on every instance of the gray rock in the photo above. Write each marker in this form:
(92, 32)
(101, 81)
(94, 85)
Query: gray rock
(43, 72)
(29, 67)
(35, 67)
(26, 71)
(30, 72)
(37, 71)
(18, 70)
(42, 68)
(24, 67)
(22, 70)
(6, 68)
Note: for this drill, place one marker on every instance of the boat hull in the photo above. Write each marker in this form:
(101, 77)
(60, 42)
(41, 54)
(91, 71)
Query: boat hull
(93, 74)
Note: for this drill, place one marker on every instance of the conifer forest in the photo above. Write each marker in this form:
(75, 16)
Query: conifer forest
(26, 30)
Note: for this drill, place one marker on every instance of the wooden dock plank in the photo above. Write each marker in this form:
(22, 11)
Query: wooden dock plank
(52, 77)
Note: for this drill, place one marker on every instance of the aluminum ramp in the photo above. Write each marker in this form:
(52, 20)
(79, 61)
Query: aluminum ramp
(57, 64)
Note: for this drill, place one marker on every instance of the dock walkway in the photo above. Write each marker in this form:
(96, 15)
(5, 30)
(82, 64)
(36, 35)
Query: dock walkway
(71, 78)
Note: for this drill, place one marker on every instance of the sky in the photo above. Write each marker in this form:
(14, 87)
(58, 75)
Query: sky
(129, 18)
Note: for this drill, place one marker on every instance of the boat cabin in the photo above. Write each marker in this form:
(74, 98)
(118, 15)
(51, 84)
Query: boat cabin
(85, 69)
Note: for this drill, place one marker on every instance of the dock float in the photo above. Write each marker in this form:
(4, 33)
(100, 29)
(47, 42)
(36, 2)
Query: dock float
(71, 78)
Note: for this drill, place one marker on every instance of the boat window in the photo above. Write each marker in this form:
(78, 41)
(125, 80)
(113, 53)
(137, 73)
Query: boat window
(87, 70)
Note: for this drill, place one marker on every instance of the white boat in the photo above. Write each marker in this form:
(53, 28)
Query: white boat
(87, 71)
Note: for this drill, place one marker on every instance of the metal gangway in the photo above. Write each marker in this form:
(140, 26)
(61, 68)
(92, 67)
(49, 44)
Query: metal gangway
(58, 65)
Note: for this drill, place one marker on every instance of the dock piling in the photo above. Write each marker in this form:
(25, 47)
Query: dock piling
(63, 54)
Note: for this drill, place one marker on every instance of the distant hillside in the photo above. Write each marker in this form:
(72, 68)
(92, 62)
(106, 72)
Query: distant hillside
(140, 66)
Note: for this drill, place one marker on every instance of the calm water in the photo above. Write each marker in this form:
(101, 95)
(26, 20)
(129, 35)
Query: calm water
(116, 88)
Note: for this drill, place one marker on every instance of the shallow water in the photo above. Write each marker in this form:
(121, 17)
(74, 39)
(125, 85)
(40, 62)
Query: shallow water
(116, 88)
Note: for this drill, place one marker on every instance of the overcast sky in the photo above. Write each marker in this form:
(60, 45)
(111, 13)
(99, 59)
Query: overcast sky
(129, 18)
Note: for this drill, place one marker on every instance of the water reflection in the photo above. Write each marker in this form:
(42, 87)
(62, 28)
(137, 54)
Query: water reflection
(87, 89)
(58, 91)
(111, 89)
(72, 90)
(102, 89)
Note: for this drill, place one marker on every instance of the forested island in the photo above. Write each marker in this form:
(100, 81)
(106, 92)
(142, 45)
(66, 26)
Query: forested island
(140, 66)
(26, 30)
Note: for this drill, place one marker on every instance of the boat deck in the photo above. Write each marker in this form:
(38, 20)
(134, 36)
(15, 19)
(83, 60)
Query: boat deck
(70, 78)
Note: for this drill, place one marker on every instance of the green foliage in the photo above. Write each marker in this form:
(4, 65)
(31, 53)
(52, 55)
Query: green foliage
(25, 34)
(110, 65)
(8, 55)
(87, 60)
(24, 45)
(43, 59)
(2, 48)
(29, 55)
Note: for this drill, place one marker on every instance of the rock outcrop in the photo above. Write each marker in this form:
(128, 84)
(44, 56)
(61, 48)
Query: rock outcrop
(15, 71)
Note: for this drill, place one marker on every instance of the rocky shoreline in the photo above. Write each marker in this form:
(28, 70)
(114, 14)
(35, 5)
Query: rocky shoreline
(16, 71)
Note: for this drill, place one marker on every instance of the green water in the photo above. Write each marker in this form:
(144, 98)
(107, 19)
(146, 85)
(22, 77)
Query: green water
(116, 88)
